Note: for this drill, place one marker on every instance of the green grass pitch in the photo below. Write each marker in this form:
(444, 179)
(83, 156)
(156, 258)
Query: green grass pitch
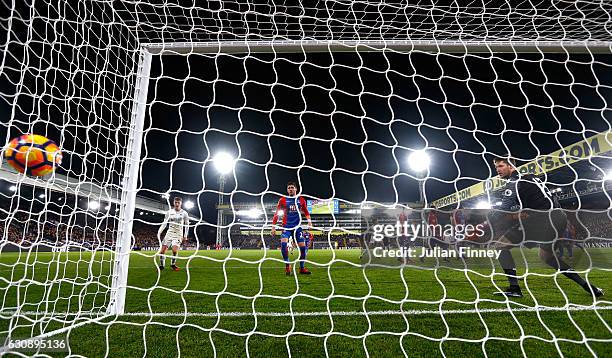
(342, 309)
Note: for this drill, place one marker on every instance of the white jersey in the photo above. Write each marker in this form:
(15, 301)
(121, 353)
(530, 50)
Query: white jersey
(178, 224)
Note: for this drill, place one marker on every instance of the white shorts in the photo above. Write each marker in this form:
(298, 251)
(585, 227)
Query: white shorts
(172, 241)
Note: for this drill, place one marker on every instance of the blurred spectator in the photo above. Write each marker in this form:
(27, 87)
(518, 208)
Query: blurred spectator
(96, 233)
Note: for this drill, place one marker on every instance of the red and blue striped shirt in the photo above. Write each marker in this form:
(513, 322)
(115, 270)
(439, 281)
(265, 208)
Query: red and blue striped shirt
(291, 208)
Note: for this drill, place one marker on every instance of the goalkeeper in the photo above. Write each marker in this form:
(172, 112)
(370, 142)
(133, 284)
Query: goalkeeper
(291, 206)
(528, 212)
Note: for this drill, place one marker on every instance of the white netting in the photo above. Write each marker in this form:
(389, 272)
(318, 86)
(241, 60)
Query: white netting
(261, 82)
(66, 73)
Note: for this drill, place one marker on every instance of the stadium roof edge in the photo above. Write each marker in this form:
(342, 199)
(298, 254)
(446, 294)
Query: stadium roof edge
(93, 191)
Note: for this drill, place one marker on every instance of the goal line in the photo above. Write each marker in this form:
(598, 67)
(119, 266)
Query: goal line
(325, 313)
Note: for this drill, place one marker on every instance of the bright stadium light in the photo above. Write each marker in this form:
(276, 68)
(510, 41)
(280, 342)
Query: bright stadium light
(13, 188)
(42, 196)
(189, 205)
(224, 162)
(419, 161)
(93, 205)
(107, 207)
(608, 176)
(252, 213)
(483, 204)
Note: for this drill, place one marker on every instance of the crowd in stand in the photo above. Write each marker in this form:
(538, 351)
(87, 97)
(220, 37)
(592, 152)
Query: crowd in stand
(319, 240)
(25, 230)
(591, 225)
(145, 236)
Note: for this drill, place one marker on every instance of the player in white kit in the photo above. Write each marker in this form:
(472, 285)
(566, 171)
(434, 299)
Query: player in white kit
(177, 221)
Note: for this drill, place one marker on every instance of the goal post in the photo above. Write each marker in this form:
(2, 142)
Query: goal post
(129, 185)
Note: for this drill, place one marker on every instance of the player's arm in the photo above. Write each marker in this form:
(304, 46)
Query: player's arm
(185, 226)
(500, 219)
(281, 206)
(304, 208)
(505, 216)
(163, 225)
(525, 188)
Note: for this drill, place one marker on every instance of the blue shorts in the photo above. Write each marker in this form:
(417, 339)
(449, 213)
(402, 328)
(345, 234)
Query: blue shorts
(296, 233)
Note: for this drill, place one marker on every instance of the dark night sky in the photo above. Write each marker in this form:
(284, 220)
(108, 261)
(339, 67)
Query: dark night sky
(347, 120)
(342, 125)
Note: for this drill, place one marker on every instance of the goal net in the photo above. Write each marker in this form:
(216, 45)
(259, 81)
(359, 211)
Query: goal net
(142, 98)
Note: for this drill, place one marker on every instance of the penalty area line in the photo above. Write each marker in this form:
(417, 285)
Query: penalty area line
(320, 313)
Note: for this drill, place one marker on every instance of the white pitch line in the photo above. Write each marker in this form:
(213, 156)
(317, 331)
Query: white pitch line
(318, 314)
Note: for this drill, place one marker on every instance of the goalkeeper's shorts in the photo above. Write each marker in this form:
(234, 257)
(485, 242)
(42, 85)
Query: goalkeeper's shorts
(538, 229)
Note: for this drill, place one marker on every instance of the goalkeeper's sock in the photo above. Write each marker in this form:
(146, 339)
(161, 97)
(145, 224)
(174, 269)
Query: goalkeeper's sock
(285, 252)
(507, 263)
(512, 279)
(575, 277)
(567, 270)
(302, 256)
(173, 260)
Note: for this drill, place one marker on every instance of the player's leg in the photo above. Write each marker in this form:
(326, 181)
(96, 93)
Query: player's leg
(162, 256)
(504, 244)
(534, 228)
(441, 243)
(291, 245)
(285, 236)
(458, 245)
(303, 245)
(426, 246)
(547, 230)
(547, 255)
(295, 244)
(175, 249)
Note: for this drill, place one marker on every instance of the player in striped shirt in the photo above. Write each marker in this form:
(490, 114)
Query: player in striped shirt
(291, 206)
